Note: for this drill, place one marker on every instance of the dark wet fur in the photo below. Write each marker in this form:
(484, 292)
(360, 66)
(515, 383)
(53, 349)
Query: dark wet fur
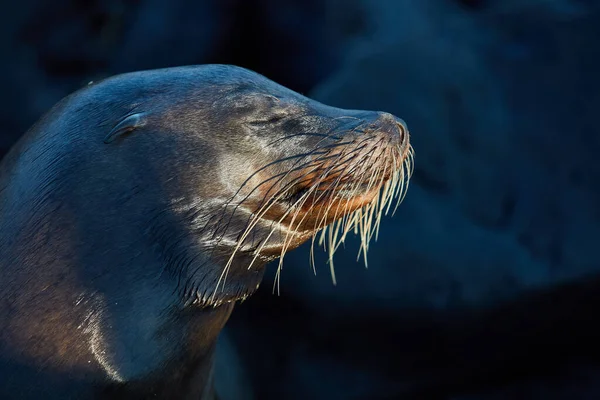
(119, 211)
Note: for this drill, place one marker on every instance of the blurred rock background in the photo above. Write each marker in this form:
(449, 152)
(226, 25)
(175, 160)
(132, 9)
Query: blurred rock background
(486, 283)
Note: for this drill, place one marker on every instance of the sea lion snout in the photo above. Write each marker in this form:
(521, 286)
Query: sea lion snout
(394, 127)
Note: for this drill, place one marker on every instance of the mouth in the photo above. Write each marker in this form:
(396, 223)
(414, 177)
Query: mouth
(346, 190)
(353, 178)
(355, 200)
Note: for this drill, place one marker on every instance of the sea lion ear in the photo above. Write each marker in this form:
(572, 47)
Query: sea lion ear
(128, 124)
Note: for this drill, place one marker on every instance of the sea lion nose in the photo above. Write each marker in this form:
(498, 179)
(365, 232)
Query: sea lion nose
(393, 125)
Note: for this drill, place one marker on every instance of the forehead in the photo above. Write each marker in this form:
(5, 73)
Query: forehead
(258, 95)
(257, 90)
(243, 83)
(195, 89)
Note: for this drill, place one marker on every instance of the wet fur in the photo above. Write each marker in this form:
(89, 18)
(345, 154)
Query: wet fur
(141, 207)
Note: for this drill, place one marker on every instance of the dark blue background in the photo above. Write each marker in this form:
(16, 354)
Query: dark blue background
(485, 284)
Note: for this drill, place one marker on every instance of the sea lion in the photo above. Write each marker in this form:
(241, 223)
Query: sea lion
(140, 208)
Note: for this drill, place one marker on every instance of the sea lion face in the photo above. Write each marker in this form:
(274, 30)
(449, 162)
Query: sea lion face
(255, 169)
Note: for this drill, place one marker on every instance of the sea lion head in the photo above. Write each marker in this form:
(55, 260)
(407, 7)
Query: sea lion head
(142, 206)
(239, 170)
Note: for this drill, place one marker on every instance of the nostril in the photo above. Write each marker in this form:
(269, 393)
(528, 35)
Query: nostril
(401, 131)
(393, 126)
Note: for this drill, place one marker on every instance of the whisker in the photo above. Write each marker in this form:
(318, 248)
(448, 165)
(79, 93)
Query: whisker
(314, 178)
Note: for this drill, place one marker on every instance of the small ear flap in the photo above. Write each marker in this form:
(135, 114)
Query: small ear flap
(127, 124)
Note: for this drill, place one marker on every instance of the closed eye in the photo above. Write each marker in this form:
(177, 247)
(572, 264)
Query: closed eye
(262, 122)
